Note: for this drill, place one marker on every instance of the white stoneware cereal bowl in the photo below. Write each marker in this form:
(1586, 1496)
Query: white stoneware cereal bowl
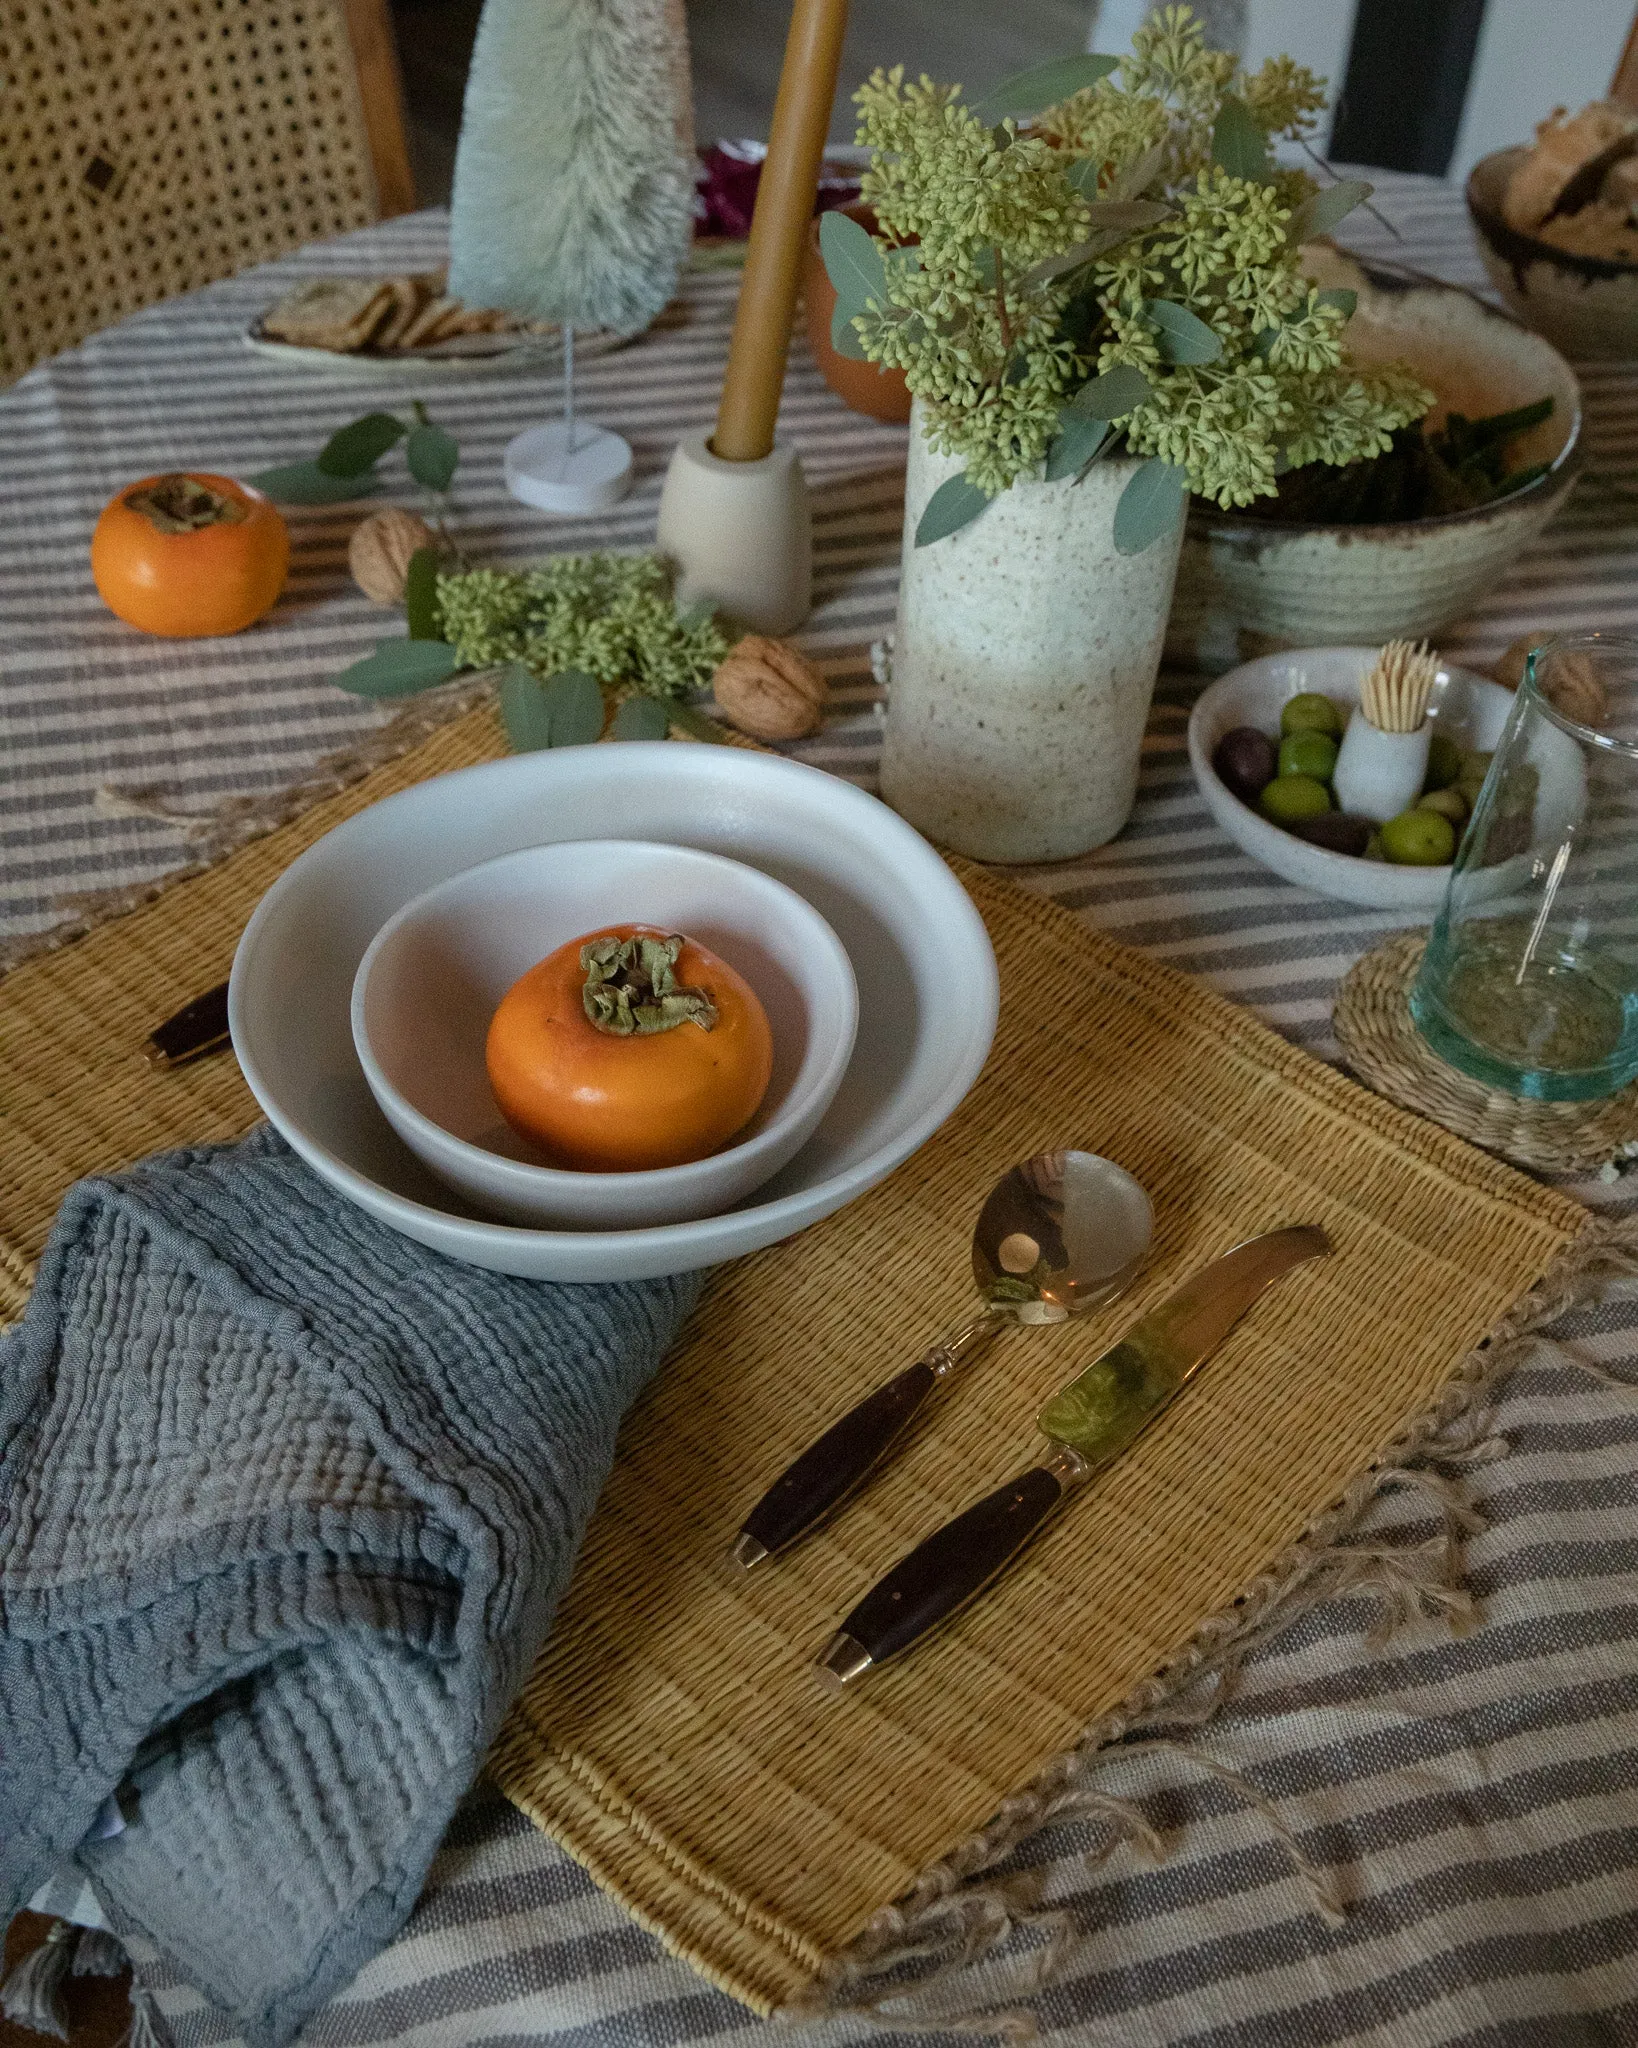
(1465, 707)
(429, 984)
(922, 959)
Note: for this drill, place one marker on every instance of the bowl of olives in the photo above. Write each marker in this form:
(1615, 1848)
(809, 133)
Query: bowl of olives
(1263, 743)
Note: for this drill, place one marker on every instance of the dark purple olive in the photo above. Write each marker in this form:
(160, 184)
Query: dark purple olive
(1246, 762)
(1336, 831)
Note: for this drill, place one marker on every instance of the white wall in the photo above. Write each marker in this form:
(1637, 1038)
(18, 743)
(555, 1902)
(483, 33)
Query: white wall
(1532, 58)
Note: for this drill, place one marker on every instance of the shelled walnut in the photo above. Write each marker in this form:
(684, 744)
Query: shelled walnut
(768, 690)
(379, 552)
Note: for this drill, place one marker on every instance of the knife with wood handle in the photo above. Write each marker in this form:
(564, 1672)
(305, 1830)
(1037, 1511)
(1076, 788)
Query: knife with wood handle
(1088, 1424)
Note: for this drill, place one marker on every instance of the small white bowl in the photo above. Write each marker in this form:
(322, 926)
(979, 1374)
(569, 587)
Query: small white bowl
(433, 975)
(1464, 707)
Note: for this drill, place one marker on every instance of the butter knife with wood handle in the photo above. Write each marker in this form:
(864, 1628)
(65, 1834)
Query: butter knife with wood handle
(1088, 1424)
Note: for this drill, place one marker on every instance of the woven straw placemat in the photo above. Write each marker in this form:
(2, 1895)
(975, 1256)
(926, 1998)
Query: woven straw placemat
(1380, 1041)
(673, 1735)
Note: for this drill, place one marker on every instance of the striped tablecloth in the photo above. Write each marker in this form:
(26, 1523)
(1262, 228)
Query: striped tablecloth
(1477, 1800)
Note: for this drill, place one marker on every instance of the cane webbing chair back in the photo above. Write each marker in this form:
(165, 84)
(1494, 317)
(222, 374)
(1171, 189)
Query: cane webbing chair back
(147, 146)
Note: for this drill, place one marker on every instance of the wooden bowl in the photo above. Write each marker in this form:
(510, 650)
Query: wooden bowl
(865, 387)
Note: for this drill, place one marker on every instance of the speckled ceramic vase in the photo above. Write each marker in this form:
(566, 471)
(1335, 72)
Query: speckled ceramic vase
(1023, 663)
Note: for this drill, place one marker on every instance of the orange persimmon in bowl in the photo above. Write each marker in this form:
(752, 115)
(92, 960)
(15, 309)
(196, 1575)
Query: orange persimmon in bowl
(629, 1049)
(188, 556)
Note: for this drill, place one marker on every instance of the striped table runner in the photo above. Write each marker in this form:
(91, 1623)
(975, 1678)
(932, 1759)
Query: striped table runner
(1477, 1799)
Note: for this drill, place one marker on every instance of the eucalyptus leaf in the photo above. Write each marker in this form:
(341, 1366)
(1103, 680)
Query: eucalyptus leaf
(1320, 212)
(1111, 226)
(1338, 295)
(1184, 337)
(523, 710)
(853, 262)
(1028, 92)
(421, 594)
(1138, 175)
(1238, 145)
(1113, 395)
(354, 449)
(698, 724)
(432, 455)
(956, 503)
(984, 264)
(574, 705)
(694, 612)
(1080, 440)
(844, 336)
(304, 483)
(398, 668)
(1150, 505)
(640, 718)
(1083, 174)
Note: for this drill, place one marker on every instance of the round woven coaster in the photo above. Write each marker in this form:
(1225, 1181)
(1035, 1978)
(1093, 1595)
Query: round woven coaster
(1381, 1043)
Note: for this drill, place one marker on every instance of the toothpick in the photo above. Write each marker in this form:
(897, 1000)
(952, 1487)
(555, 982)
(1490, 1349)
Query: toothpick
(1394, 696)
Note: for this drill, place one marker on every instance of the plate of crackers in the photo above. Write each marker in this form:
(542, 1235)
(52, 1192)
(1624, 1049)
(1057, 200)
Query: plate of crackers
(382, 323)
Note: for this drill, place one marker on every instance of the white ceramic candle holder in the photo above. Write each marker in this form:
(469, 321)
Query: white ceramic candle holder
(740, 533)
(1379, 774)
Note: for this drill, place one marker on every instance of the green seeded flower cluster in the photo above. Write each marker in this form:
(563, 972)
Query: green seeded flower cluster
(611, 616)
(995, 336)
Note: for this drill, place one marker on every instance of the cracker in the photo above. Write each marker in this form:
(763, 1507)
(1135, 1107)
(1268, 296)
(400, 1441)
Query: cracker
(421, 328)
(329, 312)
(409, 295)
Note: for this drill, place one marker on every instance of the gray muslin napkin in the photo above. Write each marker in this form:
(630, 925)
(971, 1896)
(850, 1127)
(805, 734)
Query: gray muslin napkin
(286, 1505)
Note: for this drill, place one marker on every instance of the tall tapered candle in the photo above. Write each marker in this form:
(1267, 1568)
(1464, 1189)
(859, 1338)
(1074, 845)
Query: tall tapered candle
(779, 226)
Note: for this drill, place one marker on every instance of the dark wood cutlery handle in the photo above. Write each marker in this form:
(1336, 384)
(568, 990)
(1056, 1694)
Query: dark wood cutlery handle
(945, 1572)
(835, 1464)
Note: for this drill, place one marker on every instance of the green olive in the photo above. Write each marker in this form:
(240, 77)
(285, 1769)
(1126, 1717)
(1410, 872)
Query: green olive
(1310, 712)
(1449, 803)
(1444, 762)
(1373, 847)
(1289, 797)
(1418, 839)
(1308, 753)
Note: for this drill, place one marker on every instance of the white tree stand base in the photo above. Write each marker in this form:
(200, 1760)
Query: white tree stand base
(568, 469)
(740, 534)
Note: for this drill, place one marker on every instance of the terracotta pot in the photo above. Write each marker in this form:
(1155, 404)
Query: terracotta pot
(865, 387)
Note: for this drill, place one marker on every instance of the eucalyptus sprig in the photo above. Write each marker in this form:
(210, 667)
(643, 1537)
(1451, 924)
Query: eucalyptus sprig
(1122, 272)
(345, 467)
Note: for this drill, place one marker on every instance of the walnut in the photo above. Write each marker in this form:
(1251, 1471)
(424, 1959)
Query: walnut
(1509, 668)
(769, 690)
(380, 549)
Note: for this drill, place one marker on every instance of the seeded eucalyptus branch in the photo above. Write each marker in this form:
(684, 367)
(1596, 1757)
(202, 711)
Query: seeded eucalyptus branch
(1073, 266)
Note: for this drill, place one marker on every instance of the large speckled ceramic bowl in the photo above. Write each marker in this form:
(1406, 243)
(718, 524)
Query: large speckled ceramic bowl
(1247, 587)
(1585, 305)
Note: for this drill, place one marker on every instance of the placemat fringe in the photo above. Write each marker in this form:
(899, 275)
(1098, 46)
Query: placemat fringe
(212, 835)
(954, 1915)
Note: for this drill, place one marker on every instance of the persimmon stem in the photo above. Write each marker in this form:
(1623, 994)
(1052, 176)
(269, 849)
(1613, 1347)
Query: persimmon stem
(632, 989)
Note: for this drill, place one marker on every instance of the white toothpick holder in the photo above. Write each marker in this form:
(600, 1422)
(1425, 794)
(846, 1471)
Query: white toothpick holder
(1379, 774)
(740, 534)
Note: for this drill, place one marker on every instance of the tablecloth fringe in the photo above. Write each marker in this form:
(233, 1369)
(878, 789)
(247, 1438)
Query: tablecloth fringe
(903, 1970)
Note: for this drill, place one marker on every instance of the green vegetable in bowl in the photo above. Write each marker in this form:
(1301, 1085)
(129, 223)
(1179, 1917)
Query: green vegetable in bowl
(1308, 753)
(1289, 797)
(1310, 711)
(1449, 803)
(1419, 839)
(1444, 761)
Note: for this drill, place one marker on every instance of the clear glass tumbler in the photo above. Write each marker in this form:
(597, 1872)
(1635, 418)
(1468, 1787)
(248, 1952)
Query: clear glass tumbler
(1530, 980)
